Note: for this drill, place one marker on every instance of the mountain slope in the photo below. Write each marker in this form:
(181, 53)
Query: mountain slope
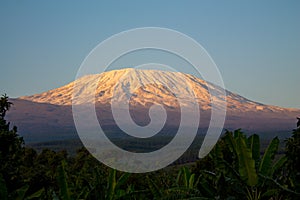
(50, 113)
(109, 84)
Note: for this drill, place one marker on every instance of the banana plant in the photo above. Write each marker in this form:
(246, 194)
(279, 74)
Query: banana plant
(186, 179)
(253, 169)
(185, 186)
(244, 163)
(114, 185)
(156, 191)
(64, 189)
(19, 194)
(22, 194)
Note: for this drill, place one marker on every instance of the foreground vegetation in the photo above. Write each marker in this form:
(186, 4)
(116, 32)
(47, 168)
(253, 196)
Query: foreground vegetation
(234, 169)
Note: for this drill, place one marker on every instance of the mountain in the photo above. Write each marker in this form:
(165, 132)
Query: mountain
(48, 116)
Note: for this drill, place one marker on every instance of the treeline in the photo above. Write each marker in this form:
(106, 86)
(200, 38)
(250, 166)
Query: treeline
(234, 169)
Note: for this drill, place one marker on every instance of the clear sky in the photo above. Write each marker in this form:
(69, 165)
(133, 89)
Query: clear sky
(256, 44)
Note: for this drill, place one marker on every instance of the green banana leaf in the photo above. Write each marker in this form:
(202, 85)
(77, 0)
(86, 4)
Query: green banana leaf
(62, 182)
(265, 167)
(246, 163)
(254, 145)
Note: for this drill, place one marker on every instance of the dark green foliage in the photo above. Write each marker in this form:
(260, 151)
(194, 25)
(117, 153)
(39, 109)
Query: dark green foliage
(3, 189)
(254, 145)
(247, 174)
(64, 190)
(236, 168)
(4, 105)
(246, 168)
(11, 149)
(293, 159)
(268, 157)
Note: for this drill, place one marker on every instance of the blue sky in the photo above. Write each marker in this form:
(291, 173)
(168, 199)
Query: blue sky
(256, 44)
